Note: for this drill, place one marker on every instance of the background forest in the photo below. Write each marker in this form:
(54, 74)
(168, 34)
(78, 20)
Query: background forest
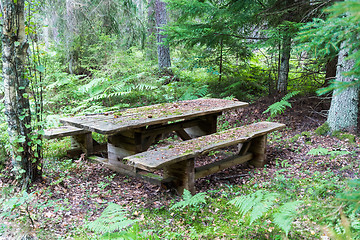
(93, 56)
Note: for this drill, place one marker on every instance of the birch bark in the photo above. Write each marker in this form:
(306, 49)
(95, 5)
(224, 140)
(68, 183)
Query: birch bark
(16, 86)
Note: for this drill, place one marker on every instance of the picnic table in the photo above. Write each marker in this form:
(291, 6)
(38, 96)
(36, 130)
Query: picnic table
(131, 132)
(134, 130)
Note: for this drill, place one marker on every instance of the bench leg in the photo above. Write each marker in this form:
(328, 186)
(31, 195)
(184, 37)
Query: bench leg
(183, 174)
(258, 149)
(84, 142)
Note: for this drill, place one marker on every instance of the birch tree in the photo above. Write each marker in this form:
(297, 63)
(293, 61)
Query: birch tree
(16, 89)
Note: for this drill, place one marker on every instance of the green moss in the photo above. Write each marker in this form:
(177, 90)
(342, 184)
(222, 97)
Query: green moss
(323, 129)
(344, 136)
(306, 134)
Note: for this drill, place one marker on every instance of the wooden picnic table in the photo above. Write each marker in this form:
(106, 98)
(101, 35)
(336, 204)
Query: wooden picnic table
(134, 130)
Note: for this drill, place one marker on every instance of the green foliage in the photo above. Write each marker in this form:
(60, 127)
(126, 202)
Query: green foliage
(261, 202)
(323, 129)
(279, 107)
(324, 37)
(352, 196)
(190, 200)
(286, 215)
(112, 219)
(16, 208)
(324, 151)
(256, 203)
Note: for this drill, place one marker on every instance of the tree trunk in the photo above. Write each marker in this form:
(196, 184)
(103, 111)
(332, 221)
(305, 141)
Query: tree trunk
(16, 88)
(150, 40)
(284, 65)
(330, 73)
(343, 113)
(161, 21)
(71, 25)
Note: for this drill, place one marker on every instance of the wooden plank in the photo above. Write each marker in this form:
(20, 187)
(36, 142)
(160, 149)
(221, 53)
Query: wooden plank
(150, 177)
(183, 174)
(150, 115)
(63, 131)
(158, 158)
(217, 166)
(258, 148)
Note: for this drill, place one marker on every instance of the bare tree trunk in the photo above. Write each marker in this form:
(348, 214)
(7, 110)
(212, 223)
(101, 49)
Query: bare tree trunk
(16, 88)
(343, 113)
(284, 65)
(71, 24)
(151, 41)
(161, 21)
(330, 70)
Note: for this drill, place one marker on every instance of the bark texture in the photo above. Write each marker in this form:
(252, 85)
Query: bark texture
(16, 86)
(284, 65)
(343, 113)
(161, 21)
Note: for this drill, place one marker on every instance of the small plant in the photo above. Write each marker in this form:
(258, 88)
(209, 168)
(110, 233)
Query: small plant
(112, 219)
(324, 151)
(189, 200)
(261, 203)
(279, 107)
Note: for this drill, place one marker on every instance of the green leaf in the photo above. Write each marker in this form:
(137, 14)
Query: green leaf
(40, 68)
(18, 158)
(286, 215)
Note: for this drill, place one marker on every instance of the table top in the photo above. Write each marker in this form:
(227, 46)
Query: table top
(114, 122)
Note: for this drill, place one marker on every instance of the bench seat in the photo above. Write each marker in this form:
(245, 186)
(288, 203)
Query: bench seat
(81, 140)
(178, 160)
(63, 131)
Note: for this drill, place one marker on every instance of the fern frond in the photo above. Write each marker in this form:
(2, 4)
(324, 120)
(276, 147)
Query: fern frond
(279, 107)
(189, 200)
(112, 219)
(263, 206)
(258, 203)
(318, 151)
(286, 215)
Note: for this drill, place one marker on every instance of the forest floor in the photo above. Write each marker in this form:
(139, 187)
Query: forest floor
(75, 191)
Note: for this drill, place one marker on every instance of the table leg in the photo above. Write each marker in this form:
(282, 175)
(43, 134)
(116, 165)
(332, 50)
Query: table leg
(207, 125)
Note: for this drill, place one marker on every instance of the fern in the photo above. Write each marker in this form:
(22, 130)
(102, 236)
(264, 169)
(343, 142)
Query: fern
(286, 215)
(112, 219)
(189, 200)
(279, 107)
(258, 203)
(323, 151)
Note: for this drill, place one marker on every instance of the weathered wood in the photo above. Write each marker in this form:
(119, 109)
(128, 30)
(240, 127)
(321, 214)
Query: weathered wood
(217, 166)
(63, 131)
(258, 148)
(151, 115)
(119, 167)
(183, 174)
(159, 158)
(183, 134)
(84, 141)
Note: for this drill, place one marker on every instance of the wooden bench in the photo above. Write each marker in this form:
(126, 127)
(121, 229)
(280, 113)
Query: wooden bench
(81, 140)
(177, 161)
